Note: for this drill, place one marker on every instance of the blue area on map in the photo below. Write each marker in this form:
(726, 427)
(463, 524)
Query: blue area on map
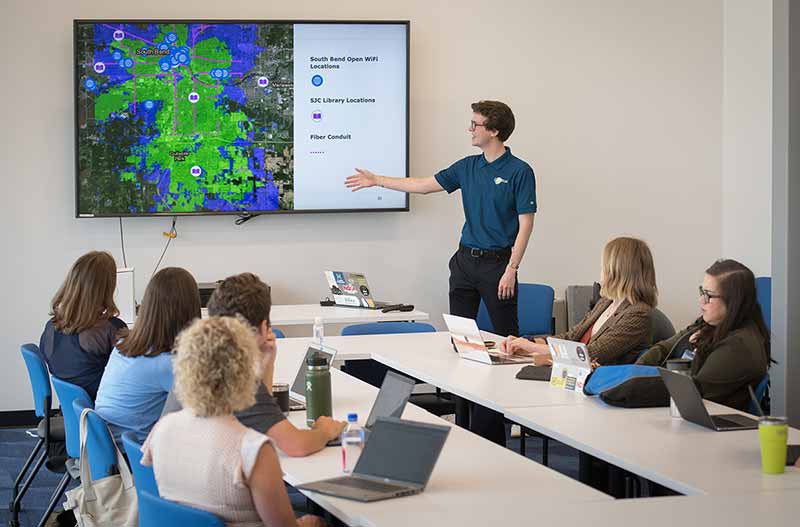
(240, 41)
(234, 93)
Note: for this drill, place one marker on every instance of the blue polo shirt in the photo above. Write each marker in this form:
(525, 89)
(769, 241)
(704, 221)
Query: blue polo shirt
(494, 195)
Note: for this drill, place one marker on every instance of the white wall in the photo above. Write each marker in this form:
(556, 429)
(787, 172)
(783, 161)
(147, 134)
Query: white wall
(747, 133)
(618, 107)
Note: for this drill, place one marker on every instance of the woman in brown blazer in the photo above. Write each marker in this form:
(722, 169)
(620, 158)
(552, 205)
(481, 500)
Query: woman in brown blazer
(618, 327)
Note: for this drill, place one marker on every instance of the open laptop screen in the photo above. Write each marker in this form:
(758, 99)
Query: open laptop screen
(392, 399)
(299, 384)
(402, 450)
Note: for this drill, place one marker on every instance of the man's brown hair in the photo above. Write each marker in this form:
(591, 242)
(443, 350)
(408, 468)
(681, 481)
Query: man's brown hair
(171, 302)
(242, 294)
(499, 117)
(87, 294)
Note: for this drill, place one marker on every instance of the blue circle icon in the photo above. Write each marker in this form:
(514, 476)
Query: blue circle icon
(90, 84)
(127, 63)
(116, 54)
(162, 46)
(182, 58)
(148, 105)
(171, 38)
(164, 64)
(317, 80)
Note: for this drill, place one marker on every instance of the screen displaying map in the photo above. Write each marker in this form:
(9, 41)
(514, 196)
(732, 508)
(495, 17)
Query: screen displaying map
(199, 117)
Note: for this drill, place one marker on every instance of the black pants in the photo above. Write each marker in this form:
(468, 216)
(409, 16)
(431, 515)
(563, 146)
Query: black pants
(473, 278)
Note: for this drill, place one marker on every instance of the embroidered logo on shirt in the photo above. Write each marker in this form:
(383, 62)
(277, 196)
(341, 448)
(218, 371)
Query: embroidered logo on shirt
(499, 180)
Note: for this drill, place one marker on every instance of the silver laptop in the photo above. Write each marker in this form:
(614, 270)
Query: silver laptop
(397, 461)
(390, 402)
(690, 404)
(352, 290)
(297, 393)
(469, 344)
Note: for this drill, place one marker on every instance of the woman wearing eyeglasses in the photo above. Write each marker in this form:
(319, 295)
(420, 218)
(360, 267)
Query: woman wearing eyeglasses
(728, 344)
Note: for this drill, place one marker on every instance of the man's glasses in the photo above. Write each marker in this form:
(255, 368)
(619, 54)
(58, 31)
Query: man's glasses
(707, 295)
(473, 125)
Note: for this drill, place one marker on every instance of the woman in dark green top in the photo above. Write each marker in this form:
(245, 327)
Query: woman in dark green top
(728, 344)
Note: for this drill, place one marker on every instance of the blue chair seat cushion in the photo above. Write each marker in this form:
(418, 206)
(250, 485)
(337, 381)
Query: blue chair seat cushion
(56, 429)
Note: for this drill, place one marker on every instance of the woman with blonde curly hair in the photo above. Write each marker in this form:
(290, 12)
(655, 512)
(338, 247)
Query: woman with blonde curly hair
(203, 456)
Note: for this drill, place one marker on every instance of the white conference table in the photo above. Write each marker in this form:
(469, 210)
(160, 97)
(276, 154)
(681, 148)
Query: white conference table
(680, 455)
(768, 510)
(470, 473)
(646, 442)
(304, 314)
(430, 358)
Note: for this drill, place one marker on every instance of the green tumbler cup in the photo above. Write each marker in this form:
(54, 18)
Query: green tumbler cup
(772, 434)
(318, 388)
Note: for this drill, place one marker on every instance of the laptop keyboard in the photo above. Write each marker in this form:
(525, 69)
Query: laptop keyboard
(363, 484)
(729, 423)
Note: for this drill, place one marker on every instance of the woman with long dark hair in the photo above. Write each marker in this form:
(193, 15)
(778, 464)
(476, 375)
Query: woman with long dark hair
(729, 344)
(83, 328)
(138, 376)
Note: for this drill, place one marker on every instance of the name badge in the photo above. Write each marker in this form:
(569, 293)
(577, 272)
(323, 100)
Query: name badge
(688, 354)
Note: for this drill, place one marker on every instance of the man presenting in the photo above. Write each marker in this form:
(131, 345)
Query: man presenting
(498, 192)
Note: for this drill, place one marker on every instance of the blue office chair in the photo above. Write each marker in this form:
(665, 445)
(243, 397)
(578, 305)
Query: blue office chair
(99, 442)
(67, 393)
(387, 328)
(158, 512)
(762, 396)
(534, 310)
(278, 333)
(143, 476)
(764, 296)
(49, 429)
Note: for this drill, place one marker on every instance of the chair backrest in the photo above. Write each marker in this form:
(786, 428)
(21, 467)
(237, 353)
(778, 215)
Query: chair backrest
(387, 328)
(661, 327)
(99, 443)
(761, 397)
(40, 380)
(158, 512)
(278, 333)
(67, 393)
(143, 476)
(534, 310)
(764, 297)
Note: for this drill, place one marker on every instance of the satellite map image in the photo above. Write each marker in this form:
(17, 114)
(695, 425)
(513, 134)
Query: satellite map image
(181, 118)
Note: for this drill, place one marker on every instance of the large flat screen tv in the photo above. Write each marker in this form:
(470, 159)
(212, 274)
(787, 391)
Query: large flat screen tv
(237, 117)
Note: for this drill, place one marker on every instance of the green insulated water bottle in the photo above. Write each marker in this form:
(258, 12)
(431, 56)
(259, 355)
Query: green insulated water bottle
(318, 388)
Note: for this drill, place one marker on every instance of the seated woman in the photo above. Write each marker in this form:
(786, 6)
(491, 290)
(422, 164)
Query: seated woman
(202, 456)
(728, 344)
(138, 375)
(84, 327)
(618, 327)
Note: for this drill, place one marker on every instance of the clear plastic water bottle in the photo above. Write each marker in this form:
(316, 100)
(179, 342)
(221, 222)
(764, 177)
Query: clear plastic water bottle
(352, 443)
(319, 331)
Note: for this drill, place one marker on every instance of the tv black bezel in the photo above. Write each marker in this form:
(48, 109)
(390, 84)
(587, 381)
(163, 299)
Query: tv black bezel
(76, 22)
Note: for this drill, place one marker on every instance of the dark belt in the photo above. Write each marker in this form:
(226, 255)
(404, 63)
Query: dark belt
(485, 253)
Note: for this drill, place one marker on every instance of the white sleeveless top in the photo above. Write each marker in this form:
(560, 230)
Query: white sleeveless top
(205, 462)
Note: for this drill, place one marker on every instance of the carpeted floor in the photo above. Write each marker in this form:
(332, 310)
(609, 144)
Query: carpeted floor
(16, 445)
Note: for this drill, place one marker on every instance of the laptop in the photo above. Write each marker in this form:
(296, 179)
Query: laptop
(397, 461)
(690, 404)
(352, 290)
(390, 402)
(469, 344)
(297, 392)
